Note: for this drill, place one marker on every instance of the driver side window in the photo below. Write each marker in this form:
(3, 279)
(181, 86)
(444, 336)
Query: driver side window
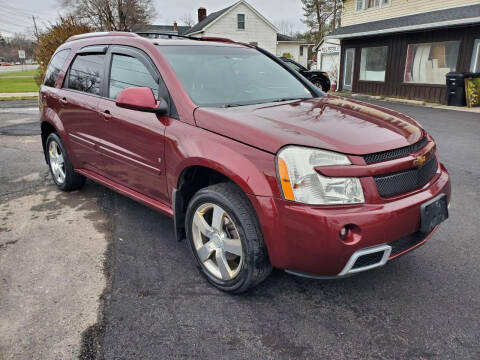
(128, 72)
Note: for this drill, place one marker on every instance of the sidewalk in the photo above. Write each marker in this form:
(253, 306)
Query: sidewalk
(408, 102)
(16, 95)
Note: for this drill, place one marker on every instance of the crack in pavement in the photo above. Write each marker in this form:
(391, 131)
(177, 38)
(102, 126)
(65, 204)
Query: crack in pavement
(11, 242)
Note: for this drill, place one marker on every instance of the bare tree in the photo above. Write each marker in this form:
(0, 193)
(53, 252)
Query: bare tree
(321, 16)
(286, 28)
(112, 15)
(187, 20)
(9, 47)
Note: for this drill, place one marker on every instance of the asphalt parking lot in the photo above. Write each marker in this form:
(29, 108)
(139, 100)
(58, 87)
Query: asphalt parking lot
(93, 275)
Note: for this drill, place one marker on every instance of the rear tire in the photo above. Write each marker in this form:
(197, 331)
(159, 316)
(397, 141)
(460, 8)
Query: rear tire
(61, 167)
(225, 238)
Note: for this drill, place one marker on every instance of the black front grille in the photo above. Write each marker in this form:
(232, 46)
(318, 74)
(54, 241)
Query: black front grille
(395, 153)
(407, 180)
(406, 242)
(369, 259)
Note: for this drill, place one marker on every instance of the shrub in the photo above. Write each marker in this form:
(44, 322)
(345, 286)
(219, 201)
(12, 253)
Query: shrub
(53, 37)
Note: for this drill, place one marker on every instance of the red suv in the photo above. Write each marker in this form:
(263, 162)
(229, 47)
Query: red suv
(257, 167)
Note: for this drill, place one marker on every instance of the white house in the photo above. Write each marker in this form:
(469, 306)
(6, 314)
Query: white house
(243, 23)
(239, 22)
(297, 49)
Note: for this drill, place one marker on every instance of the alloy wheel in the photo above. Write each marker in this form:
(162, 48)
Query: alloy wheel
(217, 241)
(57, 162)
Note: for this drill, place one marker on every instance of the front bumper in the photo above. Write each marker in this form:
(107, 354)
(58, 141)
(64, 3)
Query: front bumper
(305, 239)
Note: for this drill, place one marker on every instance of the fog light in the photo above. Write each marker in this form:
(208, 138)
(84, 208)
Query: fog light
(343, 233)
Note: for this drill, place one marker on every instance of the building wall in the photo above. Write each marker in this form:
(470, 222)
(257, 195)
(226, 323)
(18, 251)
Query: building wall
(293, 49)
(397, 8)
(396, 59)
(289, 47)
(304, 58)
(328, 58)
(256, 30)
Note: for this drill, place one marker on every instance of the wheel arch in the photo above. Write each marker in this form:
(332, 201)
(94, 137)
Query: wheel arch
(191, 179)
(46, 128)
(200, 174)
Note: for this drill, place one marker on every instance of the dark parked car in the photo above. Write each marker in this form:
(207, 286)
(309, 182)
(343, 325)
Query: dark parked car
(318, 78)
(257, 167)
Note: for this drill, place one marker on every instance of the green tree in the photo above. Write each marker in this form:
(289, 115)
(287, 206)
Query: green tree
(111, 15)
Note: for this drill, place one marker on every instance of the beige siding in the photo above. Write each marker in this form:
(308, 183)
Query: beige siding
(397, 8)
(256, 30)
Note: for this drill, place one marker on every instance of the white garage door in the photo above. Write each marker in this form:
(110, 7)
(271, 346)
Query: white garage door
(328, 62)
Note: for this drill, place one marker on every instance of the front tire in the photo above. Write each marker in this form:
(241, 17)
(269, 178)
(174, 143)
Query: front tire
(320, 83)
(61, 167)
(225, 238)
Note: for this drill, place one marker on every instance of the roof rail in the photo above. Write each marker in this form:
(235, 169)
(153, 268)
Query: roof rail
(100, 34)
(205, 38)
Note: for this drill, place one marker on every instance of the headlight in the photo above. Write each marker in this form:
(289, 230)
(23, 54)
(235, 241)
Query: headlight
(300, 182)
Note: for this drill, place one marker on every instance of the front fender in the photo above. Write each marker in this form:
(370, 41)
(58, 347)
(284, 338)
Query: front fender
(253, 170)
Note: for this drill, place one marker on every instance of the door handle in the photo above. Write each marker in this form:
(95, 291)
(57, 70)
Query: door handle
(64, 101)
(106, 115)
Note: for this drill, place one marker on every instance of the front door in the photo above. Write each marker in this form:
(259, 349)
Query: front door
(348, 65)
(132, 144)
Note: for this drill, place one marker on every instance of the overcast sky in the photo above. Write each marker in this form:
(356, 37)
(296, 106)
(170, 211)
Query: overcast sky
(16, 16)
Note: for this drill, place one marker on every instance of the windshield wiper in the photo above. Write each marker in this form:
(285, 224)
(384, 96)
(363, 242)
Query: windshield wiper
(233, 105)
(288, 99)
(265, 102)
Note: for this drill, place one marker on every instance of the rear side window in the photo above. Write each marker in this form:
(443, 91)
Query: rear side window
(53, 69)
(127, 72)
(86, 73)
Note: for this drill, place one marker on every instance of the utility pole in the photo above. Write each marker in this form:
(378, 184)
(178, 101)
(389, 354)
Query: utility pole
(334, 14)
(35, 29)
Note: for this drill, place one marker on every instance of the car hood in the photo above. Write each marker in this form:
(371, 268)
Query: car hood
(329, 122)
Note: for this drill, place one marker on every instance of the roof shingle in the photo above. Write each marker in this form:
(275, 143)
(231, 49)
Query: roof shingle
(210, 18)
(428, 19)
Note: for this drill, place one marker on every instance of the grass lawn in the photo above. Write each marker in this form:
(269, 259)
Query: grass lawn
(19, 81)
(18, 85)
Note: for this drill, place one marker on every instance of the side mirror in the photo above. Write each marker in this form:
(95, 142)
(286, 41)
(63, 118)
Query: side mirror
(141, 99)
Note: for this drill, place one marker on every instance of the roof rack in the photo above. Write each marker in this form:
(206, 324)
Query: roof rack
(100, 34)
(205, 38)
(167, 35)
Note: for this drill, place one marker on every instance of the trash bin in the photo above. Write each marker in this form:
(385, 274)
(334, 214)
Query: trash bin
(456, 88)
(472, 90)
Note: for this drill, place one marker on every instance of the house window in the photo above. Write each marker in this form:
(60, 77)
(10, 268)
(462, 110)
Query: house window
(373, 63)
(428, 63)
(475, 66)
(361, 5)
(301, 50)
(241, 21)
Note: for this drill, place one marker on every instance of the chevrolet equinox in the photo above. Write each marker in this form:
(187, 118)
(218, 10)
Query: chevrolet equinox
(258, 167)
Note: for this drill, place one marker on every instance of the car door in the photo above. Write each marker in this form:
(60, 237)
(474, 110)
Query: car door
(133, 141)
(79, 100)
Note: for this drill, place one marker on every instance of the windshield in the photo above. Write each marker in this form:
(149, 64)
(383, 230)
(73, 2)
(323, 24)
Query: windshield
(224, 76)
